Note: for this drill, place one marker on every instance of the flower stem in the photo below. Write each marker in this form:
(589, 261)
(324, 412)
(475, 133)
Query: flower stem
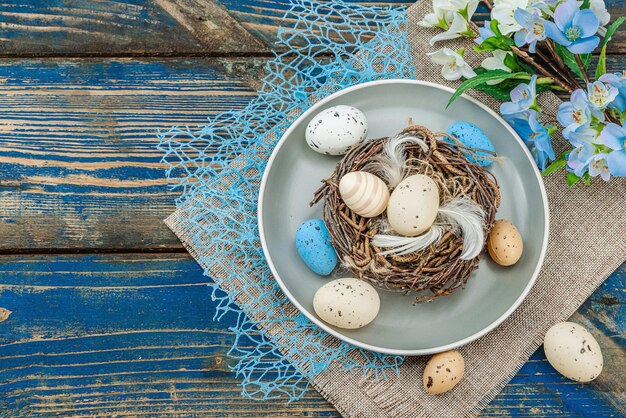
(565, 72)
(523, 55)
(557, 72)
(582, 67)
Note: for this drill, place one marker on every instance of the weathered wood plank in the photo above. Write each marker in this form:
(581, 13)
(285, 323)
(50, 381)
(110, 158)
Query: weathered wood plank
(79, 164)
(90, 27)
(135, 335)
(159, 27)
(263, 17)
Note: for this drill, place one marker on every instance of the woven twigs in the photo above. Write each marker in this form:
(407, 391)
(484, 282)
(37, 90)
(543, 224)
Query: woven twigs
(438, 268)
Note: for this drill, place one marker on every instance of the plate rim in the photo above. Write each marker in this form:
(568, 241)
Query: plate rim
(386, 350)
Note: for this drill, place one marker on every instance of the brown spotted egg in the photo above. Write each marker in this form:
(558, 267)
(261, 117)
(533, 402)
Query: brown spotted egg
(443, 372)
(504, 243)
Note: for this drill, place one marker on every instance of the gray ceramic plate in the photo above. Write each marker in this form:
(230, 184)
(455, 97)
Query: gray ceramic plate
(295, 171)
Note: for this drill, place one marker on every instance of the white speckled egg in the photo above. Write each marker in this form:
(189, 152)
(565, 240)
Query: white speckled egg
(413, 205)
(335, 130)
(504, 243)
(573, 351)
(443, 372)
(364, 193)
(347, 303)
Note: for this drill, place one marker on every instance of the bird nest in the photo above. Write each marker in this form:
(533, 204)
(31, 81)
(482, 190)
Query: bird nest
(437, 268)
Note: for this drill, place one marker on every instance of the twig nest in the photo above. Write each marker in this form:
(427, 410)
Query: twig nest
(413, 205)
(443, 265)
(443, 372)
(364, 193)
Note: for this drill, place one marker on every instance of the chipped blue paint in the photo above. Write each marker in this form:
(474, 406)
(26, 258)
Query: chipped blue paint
(112, 328)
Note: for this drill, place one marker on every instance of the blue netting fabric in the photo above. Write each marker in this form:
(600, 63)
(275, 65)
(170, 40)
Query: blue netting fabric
(218, 170)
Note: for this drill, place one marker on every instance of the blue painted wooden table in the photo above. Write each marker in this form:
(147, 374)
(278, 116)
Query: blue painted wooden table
(102, 312)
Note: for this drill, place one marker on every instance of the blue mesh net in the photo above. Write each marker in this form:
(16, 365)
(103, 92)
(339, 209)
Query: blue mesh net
(218, 170)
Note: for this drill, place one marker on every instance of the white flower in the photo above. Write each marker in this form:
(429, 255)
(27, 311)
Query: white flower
(443, 11)
(599, 9)
(503, 11)
(457, 27)
(438, 18)
(454, 66)
(496, 63)
(465, 7)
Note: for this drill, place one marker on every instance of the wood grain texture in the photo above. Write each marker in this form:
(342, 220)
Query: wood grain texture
(79, 163)
(133, 335)
(79, 27)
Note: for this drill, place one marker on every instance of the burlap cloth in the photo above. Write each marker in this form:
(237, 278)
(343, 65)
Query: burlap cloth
(587, 243)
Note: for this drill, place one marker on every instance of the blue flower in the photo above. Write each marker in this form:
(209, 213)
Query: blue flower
(577, 161)
(533, 29)
(484, 33)
(534, 134)
(614, 137)
(599, 96)
(575, 113)
(617, 80)
(574, 28)
(522, 98)
(586, 159)
(598, 165)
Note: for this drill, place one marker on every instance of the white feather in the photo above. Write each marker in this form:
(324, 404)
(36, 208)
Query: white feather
(407, 245)
(391, 164)
(469, 217)
(458, 215)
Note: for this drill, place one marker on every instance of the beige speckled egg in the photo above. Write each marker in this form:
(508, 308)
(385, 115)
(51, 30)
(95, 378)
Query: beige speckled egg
(413, 205)
(347, 303)
(364, 193)
(443, 372)
(573, 351)
(504, 243)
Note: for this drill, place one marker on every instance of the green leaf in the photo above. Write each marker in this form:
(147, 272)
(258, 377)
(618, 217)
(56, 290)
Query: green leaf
(496, 42)
(569, 60)
(494, 26)
(572, 179)
(587, 178)
(512, 62)
(586, 4)
(496, 91)
(481, 79)
(601, 69)
(556, 164)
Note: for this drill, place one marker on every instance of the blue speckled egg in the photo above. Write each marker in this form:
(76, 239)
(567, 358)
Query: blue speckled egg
(473, 137)
(313, 245)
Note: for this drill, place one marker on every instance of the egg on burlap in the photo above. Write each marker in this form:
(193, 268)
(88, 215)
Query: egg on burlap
(347, 303)
(413, 205)
(364, 193)
(443, 372)
(504, 243)
(573, 351)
